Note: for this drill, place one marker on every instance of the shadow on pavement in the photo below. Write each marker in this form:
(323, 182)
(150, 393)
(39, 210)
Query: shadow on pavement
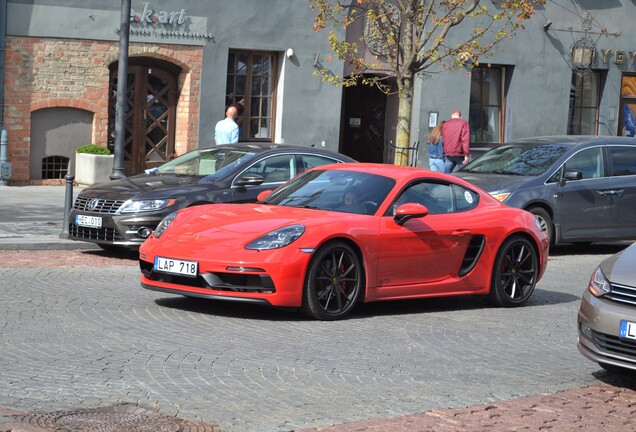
(589, 248)
(229, 309)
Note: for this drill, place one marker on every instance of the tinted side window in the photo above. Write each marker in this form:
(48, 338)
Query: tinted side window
(465, 199)
(310, 161)
(438, 197)
(588, 161)
(275, 169)
(623, 160)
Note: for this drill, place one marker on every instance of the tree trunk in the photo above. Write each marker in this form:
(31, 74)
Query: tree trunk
(405, 107)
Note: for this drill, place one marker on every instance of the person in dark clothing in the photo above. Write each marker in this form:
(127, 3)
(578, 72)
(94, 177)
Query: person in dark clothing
(456, 135)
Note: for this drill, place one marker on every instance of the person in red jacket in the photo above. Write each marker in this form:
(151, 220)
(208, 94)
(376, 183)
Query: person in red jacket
(456, 135)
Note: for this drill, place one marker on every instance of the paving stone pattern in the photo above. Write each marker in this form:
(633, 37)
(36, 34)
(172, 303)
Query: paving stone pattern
(78, 333)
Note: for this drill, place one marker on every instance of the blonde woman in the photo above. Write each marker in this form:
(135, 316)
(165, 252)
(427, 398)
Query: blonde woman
(435, 143)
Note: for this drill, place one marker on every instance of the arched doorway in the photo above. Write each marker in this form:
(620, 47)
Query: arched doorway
(55, 134)
(151, 108)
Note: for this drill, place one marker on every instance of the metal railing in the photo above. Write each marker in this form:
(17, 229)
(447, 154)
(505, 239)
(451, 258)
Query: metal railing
(412, 153)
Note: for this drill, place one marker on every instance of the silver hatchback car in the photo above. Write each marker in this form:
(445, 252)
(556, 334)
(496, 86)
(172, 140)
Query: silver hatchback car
(607, 315)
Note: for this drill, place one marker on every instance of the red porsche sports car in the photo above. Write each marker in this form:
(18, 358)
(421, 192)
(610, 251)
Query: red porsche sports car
(341, 234)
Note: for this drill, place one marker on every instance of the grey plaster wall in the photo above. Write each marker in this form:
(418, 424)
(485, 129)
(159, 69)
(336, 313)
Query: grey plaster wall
(539, 90)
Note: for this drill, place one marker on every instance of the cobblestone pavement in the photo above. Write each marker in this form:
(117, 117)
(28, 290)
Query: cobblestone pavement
(77, 333)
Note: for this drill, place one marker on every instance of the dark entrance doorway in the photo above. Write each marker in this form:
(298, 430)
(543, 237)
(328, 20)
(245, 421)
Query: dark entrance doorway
(363, 123)
(151, 106)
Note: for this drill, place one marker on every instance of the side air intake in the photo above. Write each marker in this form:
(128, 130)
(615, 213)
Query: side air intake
(475, 247)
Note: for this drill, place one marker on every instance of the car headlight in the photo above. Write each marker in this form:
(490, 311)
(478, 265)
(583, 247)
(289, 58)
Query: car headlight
(138, 206)
(599, 285)
(164, 224)
(501, 196)
(278, 238)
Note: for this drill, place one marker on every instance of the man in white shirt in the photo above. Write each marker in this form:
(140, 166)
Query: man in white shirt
(226, 131)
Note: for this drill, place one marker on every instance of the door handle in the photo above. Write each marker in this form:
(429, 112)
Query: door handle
(461, 232)
(611, 192)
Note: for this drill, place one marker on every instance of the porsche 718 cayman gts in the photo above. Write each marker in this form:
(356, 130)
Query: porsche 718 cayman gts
(337, 235)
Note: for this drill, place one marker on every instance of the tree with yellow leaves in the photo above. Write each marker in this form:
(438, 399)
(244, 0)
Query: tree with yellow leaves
(415, 37)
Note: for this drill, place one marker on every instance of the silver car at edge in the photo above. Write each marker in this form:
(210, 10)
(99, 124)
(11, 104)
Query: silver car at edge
(607, 315)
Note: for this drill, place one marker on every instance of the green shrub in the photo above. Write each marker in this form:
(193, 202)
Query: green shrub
(92, 149)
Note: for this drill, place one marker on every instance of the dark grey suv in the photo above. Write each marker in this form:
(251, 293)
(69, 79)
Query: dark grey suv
(123, 213)
(581, 188)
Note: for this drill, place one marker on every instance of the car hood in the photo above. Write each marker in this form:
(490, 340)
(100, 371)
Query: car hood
(238, 224)
(493, 182)
(152, 186)
(619, 268)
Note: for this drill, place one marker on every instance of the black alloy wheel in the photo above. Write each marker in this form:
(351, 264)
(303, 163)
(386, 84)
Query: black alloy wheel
(514, 273)
(334, 282)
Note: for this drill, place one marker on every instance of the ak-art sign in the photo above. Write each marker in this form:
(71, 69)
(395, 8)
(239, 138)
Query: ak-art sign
(152, 16)
(163, 23)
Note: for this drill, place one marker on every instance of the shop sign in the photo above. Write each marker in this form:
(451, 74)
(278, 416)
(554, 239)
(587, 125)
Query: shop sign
(619, 57)
(151, 22)
(150, 16)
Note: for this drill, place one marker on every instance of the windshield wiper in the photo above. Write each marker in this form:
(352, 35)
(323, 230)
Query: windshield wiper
(508, 172)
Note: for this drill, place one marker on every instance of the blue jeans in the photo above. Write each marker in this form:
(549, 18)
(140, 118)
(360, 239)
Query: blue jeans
(436, 164)
(453, 162)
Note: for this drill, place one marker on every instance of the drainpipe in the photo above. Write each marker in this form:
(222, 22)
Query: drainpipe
(5, 166)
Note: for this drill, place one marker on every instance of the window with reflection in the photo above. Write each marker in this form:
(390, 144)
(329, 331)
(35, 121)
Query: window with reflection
(627, 113)
(486, 104)
(251, 79)
(584, 100)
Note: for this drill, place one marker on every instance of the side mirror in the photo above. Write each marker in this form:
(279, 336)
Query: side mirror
(250, 180)
(261, 196)
(409, 211)
(572, 175)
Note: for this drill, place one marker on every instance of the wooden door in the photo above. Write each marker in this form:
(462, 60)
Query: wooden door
(150, 118)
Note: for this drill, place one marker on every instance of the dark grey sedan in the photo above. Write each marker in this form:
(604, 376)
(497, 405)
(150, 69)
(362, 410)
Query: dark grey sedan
(581, 188)
(123, 213)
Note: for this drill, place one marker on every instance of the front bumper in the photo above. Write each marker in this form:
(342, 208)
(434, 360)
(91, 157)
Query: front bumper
(274, 277)
(116, 230)
(598, 332)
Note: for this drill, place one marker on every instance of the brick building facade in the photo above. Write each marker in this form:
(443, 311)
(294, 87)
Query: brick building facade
(49, 73)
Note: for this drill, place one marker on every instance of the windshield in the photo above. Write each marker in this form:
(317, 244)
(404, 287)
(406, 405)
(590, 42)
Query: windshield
(521, 159)
(339, 190)
(207, 162)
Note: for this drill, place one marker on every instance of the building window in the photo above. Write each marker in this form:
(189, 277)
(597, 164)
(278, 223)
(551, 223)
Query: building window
(54, 167)
(250, 85)
(627, 113)
(486, 104)
(584, 98)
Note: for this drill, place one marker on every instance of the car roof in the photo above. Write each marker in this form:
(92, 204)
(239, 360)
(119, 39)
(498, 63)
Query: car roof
(266, 146)
(572, 140)
(401, 174)
(387, 170)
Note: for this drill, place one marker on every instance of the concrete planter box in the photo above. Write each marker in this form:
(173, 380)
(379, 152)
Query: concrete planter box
(91, 168)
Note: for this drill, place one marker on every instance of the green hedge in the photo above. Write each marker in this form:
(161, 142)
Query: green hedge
(92, 149)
